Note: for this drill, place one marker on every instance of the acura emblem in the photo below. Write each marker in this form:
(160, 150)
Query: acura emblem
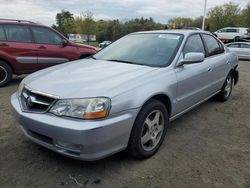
(29, 101)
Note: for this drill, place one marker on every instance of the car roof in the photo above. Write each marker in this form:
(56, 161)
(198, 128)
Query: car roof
(18, 22)
(238, 43)
(185, 32)
(234, 28)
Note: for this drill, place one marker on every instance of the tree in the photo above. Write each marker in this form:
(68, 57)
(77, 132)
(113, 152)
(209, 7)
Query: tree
(180, 22)
(88, 26)
(245, 16)
(65, 22)
(226, 15)
(231, 13)
(216, 17)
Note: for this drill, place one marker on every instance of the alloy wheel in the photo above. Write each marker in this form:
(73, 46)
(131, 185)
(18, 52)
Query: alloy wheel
(3, 74)
(228, 86)
(152, 130)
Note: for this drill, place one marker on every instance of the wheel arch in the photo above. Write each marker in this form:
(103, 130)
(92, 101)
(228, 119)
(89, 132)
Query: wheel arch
(235, 74)
(164, 99)
(8, 63)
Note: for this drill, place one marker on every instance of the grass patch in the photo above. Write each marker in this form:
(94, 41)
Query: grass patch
(95, 44)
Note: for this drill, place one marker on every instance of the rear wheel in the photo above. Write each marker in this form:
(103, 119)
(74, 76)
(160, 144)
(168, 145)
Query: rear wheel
(149, 130)
(237, 39)
(5, 73)
(226, 89)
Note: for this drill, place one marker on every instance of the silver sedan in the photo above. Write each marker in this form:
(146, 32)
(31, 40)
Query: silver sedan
(124, 96)
(242, 49)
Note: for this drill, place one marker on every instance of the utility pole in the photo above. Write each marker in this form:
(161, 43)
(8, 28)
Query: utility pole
(204, 15)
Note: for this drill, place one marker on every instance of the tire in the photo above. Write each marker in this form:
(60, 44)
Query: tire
(5, 74)
(237, 39)
(142, 131)
(226, 89)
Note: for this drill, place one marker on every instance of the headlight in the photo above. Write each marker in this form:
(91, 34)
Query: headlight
(20, 88)
(89, 108)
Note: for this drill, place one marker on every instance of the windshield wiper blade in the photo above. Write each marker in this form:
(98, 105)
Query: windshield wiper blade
(92, 57)
(122, 61)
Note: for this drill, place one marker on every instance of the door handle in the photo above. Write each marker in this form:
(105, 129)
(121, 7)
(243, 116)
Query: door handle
(4, 45)
(42, 47)
(209, 69)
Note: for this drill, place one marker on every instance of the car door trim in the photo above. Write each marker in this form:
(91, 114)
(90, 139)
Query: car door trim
(51, 60)
(191, 107)
(26, 59)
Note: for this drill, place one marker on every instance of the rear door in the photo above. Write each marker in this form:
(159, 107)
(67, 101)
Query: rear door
(50, 48)
(244, 50)
(19, 48)
(193, 79)
(218, 61)
(231, 33)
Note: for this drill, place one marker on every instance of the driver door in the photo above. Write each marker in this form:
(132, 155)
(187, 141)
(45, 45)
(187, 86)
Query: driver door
(193, 79)
(50, 48)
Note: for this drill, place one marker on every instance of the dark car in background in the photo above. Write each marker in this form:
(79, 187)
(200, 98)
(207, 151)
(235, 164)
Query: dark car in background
(26, 47)
(104, 44)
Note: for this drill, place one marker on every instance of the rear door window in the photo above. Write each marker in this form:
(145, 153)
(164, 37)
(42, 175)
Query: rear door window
(213, 46)
(245, 46)
(18, 33)
(2, 34)
(232, 30)
(46, 36)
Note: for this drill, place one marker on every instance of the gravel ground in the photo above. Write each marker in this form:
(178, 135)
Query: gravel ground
(207, 147)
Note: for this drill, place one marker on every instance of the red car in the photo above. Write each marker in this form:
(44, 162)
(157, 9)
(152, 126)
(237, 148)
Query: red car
(26, 47)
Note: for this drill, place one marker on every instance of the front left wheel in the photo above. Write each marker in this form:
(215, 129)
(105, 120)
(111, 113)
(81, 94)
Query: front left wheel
(149, 130)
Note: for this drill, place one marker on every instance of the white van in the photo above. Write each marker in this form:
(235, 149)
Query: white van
(232, 33)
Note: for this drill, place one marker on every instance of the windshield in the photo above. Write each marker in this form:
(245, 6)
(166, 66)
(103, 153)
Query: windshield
(143, 49)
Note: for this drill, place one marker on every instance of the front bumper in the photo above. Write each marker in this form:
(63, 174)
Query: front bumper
(95, 139)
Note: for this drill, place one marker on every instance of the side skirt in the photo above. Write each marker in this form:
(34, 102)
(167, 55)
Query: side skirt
(190, 108)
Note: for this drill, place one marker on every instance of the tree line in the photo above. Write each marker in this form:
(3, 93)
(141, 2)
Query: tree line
(227, 15)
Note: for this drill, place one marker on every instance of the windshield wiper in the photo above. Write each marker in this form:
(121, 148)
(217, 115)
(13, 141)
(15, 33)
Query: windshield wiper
(122, 61)
(92, 57)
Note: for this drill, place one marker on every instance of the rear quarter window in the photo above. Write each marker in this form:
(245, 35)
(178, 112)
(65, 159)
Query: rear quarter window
(18, 33)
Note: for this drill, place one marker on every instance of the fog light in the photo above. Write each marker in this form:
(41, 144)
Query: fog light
(69, 146)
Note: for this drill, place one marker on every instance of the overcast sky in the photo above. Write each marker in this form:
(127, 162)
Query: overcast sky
(44, 11)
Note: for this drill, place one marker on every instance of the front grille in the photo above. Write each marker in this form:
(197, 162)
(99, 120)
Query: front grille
(34, 102)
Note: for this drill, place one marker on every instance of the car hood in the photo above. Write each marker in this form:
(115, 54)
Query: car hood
(84, 46)
(87, 78)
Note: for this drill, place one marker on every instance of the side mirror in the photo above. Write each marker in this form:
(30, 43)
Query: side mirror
(192, 57)
(64, 42)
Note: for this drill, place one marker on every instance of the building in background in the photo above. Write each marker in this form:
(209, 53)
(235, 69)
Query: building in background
(81, 38)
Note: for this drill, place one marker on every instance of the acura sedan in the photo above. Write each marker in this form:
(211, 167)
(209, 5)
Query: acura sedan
(124, 96)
